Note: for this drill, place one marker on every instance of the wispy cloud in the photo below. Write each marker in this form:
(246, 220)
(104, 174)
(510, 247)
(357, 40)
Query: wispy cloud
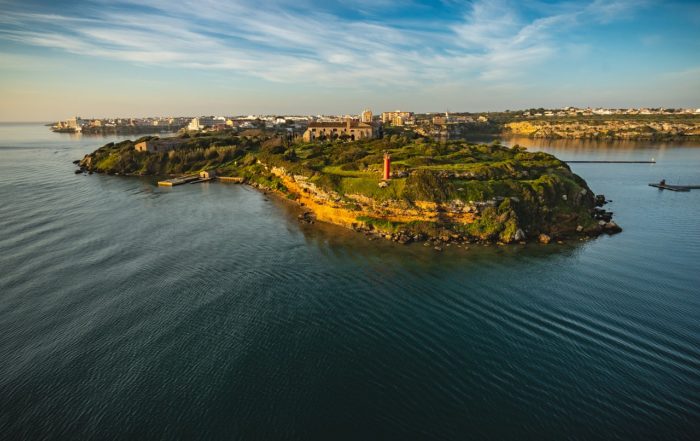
(308, 42)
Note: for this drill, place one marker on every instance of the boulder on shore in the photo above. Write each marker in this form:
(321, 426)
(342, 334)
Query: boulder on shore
(611, 228)
(600, 200)
(306, 218)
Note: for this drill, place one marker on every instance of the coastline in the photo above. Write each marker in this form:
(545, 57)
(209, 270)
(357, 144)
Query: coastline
(442, 192)
(310, 210)
(605, 129)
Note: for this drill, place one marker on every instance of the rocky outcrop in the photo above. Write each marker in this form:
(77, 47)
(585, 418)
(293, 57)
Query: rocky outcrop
(373, 217)
(605, 129)
(334, 208)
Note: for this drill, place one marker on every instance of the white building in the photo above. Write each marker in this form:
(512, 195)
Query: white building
(201, 122)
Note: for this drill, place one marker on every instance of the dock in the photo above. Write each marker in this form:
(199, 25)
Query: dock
(231, 179)
(177, 181)
(199, 179)
(674, 187)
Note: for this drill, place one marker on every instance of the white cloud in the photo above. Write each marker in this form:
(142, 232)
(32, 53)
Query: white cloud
(293, 42)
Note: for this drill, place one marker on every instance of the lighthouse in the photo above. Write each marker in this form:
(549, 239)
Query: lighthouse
(387, 166)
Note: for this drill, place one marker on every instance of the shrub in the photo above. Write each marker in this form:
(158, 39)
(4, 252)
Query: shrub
(328, 182)
(426, 185)
(350, 155)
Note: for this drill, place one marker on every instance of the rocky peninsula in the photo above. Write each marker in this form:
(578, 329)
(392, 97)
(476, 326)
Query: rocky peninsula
(656, 127)
(437, 192)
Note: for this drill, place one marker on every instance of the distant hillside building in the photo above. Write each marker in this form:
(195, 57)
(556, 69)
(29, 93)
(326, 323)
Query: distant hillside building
(366, 116)
(353, 129)
(397, 118)
(76, 123)
(157, 145)
(201, 122)
(441, 120)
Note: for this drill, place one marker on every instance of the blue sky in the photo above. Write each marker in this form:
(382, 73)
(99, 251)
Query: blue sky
(163, 57)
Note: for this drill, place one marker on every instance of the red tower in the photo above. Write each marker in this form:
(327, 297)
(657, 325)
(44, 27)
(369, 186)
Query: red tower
(387, 166)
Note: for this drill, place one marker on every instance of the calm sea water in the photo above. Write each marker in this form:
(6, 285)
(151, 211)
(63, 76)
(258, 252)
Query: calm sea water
(206, 311)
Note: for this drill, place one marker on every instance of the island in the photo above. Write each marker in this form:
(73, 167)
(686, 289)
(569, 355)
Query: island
(405, 188)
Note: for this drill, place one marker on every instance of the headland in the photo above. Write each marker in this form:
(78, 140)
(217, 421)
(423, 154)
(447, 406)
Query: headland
(405, 188)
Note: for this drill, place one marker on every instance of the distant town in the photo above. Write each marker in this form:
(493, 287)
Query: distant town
(537, 122)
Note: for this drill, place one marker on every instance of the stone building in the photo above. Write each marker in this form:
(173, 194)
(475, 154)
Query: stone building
(76, 124)
(157, 145)
(366, 116)
(352, 129)
(441, 120)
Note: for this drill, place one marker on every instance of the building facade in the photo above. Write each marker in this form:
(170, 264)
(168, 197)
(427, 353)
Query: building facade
(397, 118)
(350, 129)
(157, 145)
(439, 120)
(366, 116)
(201, 122)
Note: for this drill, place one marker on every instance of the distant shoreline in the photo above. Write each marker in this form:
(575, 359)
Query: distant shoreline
(43, 123)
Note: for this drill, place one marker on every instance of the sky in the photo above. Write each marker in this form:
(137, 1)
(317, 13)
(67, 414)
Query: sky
(108, 58)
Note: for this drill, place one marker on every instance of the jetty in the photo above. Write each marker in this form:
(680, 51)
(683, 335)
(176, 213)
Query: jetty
(200, 180)
(664, 186)
(177, 181)
(203, 177)
(231, 179)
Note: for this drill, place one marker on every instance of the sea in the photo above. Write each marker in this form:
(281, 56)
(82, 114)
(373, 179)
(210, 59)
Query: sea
(207, 311)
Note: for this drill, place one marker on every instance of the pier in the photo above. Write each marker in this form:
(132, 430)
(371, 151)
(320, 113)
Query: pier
(199, 179)
(231, 179)
(177, 181)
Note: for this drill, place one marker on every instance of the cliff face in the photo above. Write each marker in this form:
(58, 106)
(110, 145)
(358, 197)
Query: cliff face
(606, 129)
(334, 208)
(502, 219)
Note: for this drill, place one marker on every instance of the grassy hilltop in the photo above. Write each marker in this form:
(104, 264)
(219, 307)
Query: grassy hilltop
(452, 190)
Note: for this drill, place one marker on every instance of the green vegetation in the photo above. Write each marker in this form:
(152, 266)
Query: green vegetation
(507, 189)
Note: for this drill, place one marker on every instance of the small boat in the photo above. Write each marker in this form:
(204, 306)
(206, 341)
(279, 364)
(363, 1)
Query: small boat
(662, 185)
